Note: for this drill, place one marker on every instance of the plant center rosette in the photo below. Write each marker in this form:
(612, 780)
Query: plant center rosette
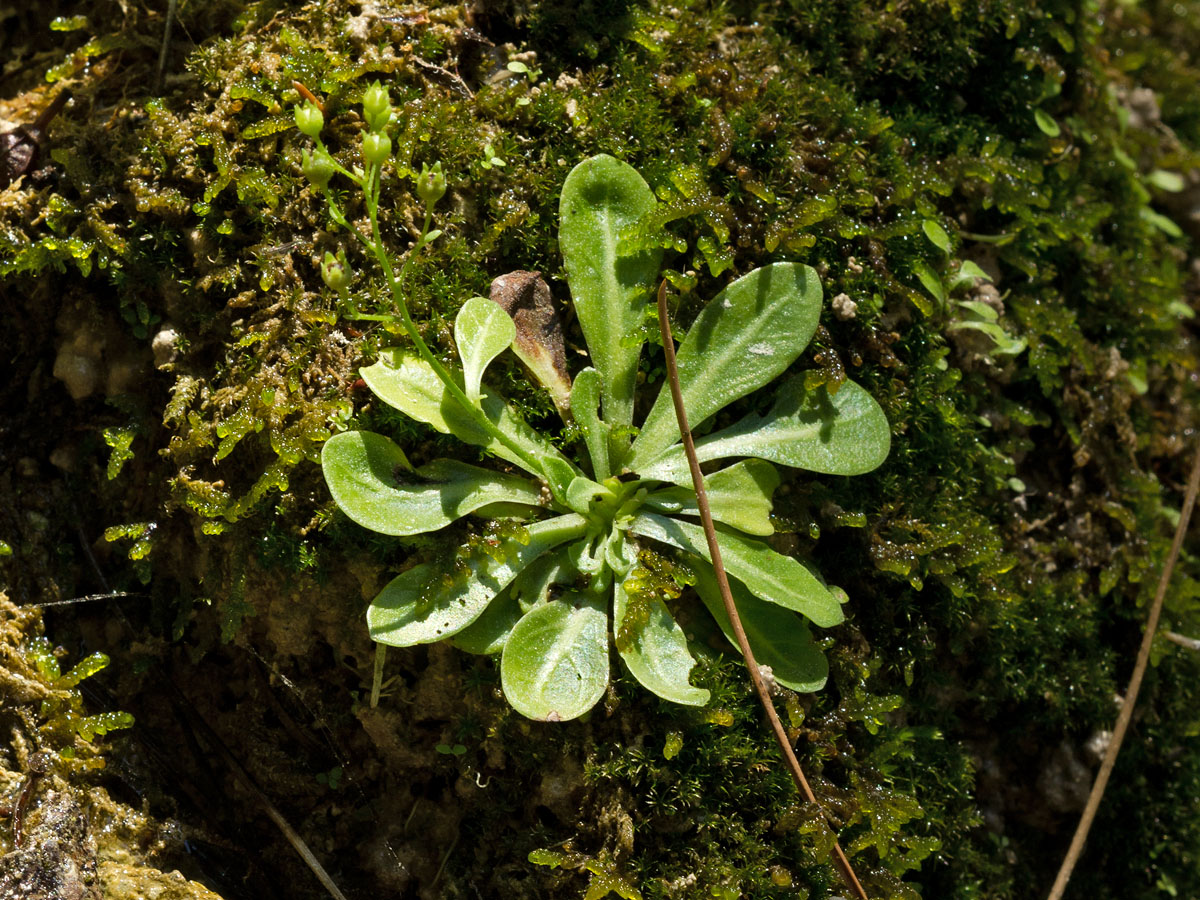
(597, 545)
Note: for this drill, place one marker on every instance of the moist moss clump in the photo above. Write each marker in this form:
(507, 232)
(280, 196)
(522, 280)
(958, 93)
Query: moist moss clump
(997, 566)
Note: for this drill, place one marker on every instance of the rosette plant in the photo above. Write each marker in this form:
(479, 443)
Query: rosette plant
(574, 567)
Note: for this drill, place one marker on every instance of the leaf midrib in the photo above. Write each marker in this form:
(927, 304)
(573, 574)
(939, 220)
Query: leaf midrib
(658, 423)
(560, 647)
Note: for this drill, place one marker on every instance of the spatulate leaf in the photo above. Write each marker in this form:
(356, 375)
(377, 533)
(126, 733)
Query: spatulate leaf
(654, 648)
(585, 407)
(555, 663)
(427, 603)
(836, 434)
(482, 331)
(779, 638)
(367, 478)
(745, 337)
(488, 634)
(772, 576)
(601, 199)
(405, 381)
(739, 496)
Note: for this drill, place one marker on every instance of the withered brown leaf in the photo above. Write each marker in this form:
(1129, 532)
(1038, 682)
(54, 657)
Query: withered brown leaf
(539, 344)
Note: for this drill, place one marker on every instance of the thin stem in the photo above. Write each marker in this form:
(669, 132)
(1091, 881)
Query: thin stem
(371, 184)
(338, 167)
(377, 679)
(1131, 692)
(714, 550)
(397, 287)
(51, 111)
(166, 41)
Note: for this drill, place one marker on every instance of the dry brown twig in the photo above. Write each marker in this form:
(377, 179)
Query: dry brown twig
(1182, 640)
(1135, 684)
(710, 535)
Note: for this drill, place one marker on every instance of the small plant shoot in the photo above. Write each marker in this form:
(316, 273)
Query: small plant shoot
(596, 545)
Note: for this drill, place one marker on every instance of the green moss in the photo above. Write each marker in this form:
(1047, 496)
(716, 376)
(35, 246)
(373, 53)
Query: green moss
(63, 713)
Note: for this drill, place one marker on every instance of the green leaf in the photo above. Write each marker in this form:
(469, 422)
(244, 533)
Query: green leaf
(364, 472)
(488, 634)
(559, 475)
(836, 434)
(739, 496)
(601, 198)
(772, 576)
(404, 380)
(654, 648)
(937, 235)
(967, 273)
(427, 603)
(779, 638)
(1046, 124)
(1175, 308)
(583, 492)
(532, 586)
(482, 331)
(555, 663)
(931, 280)
(1166, 181)
(585, 406)
(973, 270)
(1161, 222)
(1006, 344)
(750, 333)
(982, 310)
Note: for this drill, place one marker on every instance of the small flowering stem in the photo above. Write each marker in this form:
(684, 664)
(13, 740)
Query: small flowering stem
(714, 550)
(431, 185)
(396, 283)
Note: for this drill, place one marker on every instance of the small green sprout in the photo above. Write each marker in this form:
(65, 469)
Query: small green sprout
(490, 159)
(331, 779)
(519, 68)
(971, 315)
(592, 546)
